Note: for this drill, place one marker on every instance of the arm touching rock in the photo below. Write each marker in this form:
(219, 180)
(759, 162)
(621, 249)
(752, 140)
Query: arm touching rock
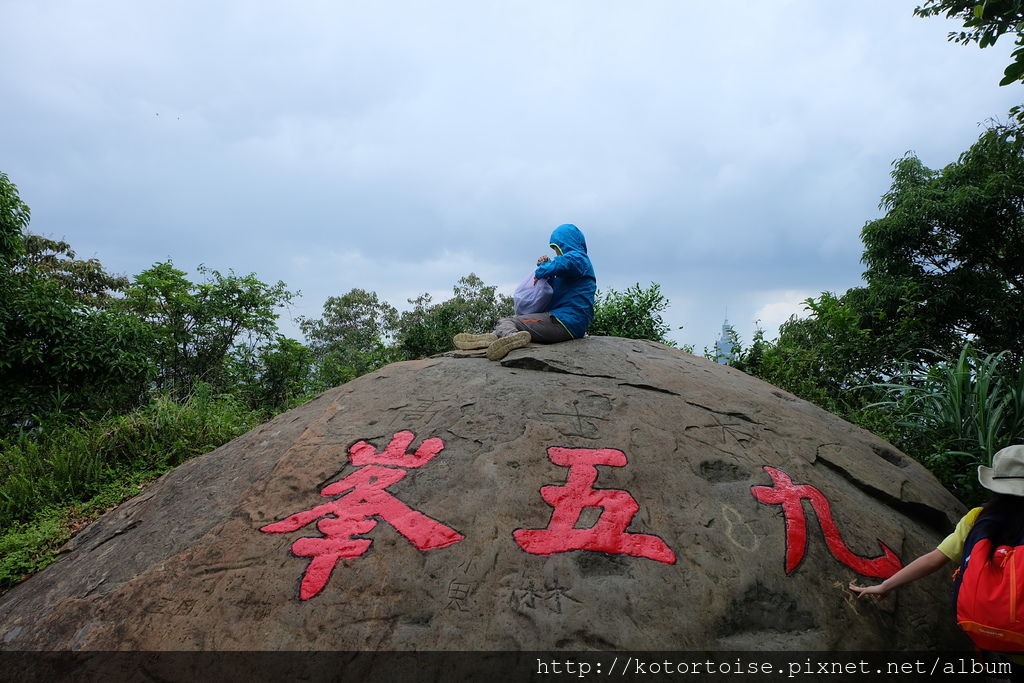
(922, 566)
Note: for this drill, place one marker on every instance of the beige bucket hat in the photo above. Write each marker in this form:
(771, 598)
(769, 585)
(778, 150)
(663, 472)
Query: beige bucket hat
(1007, 472)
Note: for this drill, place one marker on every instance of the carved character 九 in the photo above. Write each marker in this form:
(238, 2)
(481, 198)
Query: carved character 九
(791, 496)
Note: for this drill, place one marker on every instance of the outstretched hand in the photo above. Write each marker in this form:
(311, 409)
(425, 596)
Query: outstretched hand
(922, 566)
(877, 590)
(543, 259)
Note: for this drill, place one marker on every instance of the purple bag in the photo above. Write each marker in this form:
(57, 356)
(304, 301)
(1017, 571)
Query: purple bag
(532, 296)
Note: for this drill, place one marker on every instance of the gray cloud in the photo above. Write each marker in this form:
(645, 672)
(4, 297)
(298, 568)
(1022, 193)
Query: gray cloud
(396, 146)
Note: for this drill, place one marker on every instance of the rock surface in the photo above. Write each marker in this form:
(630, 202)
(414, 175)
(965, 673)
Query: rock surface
(728, 515)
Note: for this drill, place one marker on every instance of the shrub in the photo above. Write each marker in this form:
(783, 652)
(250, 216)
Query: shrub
(955, 413)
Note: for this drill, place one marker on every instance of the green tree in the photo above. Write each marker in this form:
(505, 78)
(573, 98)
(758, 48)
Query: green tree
(58, 354)
(634, 314)
(928, 352)
(428, 328)
(983, 24)
(196, 325)
(825, 357)
(273, 377)
(945, 265)
(91, 284)
(14, 218)
(351, 337)
(954, 412)
(946, 262)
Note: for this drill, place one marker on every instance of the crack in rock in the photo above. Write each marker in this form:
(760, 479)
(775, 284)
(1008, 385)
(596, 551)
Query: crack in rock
(648, 387)
(117, 533)
(919, 512)
(727, 413)
(94, 587)
(531, 363)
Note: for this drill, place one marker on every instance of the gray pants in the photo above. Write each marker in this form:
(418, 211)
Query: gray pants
(544, 328)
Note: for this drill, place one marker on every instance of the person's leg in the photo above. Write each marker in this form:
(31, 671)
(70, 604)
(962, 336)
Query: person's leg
(542, 328)
(465, 340)
(506, 327)
(499, 349)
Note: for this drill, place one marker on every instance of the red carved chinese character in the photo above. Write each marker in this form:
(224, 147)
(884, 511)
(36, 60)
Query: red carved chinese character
(784, 492)
(364, 497)
(396, 454)
(618, 508)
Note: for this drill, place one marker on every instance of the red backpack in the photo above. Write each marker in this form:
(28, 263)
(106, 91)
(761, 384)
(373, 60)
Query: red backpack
(988, 590)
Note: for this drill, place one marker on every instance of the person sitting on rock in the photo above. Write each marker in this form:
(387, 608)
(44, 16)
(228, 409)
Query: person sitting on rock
(574, 286)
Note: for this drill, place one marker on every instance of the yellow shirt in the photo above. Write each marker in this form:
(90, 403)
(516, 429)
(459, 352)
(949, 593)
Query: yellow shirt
(953, 545)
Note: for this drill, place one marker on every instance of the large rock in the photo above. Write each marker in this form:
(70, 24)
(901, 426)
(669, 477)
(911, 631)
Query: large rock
(726, 515)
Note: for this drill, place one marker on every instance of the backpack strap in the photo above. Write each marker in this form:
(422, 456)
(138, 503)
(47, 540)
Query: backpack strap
(983, 527)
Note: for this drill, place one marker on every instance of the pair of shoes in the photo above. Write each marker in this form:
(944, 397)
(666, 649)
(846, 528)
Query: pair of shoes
(500, 348)
(474, 341)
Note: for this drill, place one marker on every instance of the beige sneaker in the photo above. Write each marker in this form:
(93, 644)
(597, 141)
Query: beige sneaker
(499, 349)
(474, 341)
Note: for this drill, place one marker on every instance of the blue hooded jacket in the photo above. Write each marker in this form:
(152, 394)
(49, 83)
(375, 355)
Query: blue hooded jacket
(572, 280)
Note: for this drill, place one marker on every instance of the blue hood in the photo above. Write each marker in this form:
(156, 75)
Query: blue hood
(567, 237)
(572, 280)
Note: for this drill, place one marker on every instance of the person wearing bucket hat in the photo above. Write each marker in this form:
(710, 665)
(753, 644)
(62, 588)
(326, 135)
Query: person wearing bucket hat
(1003, 522)
(1006, 475)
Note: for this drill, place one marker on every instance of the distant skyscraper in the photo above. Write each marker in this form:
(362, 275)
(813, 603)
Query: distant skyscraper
(724, 348)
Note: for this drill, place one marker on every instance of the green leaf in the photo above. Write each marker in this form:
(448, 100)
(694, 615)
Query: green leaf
(1013, 73)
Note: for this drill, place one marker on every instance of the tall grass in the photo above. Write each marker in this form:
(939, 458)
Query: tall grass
(62, 463)
(62, 475)
(956, 413)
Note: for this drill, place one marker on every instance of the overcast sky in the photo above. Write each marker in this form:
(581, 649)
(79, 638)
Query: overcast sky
(731, 155)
